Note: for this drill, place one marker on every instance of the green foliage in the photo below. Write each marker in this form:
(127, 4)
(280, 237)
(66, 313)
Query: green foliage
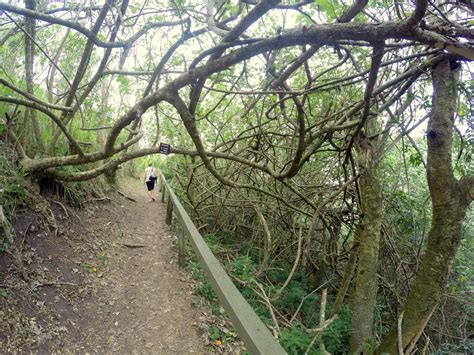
(243, 268)
(415, 159)
(291, 298)
(87, 267)
(336, 335)
(296, 341)
(3, 293)
(101, 259)
(212, 240)
(13, 191)
(220, 334)
(124, 84)
(12, 188)
(203, 288)
(381, 314)
(329, 7)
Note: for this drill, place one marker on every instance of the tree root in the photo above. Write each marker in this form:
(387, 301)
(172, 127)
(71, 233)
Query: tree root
(37, 285)
(127, 197)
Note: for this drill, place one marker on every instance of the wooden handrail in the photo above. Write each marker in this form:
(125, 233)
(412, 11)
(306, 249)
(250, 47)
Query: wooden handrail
(255, 335)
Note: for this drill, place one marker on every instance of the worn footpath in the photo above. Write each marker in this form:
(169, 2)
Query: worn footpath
(145, 299)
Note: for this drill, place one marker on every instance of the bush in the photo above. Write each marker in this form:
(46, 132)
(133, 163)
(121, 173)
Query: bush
(295, 340)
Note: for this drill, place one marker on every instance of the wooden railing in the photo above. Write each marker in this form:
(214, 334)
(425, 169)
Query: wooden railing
(249, 326)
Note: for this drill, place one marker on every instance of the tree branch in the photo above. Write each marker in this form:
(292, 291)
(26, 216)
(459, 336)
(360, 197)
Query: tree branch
(89, 34)
(466, 185)
(59, 123)
(33, 98)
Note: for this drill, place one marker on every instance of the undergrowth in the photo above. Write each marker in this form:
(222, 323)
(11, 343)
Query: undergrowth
(294, 339)
(12, 192)
(17, 190)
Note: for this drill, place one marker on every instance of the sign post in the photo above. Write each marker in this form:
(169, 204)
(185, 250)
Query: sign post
(164, 149)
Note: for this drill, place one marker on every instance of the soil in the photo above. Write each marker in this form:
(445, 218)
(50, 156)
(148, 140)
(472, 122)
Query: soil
(103, 279)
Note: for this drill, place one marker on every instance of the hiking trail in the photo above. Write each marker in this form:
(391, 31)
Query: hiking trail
(145, 300)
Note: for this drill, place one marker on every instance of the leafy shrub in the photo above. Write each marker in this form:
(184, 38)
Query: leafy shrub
(295, 340)
(336, 335)
(12, 188)
(213, 242)
(243, 267)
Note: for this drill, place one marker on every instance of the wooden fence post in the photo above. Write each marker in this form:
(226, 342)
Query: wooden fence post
(181, 246)
(163, 190)
(169, 211)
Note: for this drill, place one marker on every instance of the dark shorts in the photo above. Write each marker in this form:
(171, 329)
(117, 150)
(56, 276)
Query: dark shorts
(150, 185)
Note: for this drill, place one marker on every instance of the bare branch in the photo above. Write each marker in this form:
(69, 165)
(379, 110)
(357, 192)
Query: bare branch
(56, 119)
(33, 98)
(89, 34)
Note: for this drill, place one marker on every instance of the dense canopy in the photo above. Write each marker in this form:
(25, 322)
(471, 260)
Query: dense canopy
(303, 120)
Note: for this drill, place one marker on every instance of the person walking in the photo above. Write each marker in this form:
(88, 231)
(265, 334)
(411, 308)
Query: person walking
(150, 178)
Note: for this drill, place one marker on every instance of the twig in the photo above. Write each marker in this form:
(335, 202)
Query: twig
(147, 234)
(5, 226)
(293, 269)
(427, 344)
(267, 241)
(323, 323)
(97, 199)
(38, 285)
(63, 207)
(127, 197)
(19, 262)
(267, 302)
(304, 299)
(24, 235)
(133, 246)
(322, 315)
(399, 337)
(318, 330)
(202, 227)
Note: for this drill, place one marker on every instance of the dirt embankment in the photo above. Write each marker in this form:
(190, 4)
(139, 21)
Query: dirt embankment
(103, 279)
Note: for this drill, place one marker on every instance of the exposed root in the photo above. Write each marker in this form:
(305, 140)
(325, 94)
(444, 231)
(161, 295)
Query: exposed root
(127, 197)
(6, 228)
(37, 285)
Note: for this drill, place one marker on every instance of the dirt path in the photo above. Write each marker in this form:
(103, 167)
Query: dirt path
(143, 302)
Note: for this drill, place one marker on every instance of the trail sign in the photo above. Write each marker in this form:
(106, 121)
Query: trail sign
(164, 148)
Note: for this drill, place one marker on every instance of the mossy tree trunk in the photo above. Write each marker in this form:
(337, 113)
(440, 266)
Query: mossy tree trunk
(368, 235)
(450, 199)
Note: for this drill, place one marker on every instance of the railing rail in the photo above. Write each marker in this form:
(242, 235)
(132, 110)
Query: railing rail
(255, 335)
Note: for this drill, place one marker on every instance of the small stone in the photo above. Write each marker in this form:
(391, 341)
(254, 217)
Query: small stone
(148, 345)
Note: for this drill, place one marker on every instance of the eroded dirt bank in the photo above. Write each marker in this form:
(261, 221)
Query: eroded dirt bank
(101, 280)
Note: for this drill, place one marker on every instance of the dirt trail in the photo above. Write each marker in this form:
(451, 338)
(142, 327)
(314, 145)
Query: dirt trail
(143, 302)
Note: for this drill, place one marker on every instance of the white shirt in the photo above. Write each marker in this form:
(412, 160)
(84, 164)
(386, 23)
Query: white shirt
(149, 171)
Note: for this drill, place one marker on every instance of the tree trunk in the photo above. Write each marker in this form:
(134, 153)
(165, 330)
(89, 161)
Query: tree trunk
(365, 285)
(102, 116)
(450, 199)
(29, 72)
(346, 280)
